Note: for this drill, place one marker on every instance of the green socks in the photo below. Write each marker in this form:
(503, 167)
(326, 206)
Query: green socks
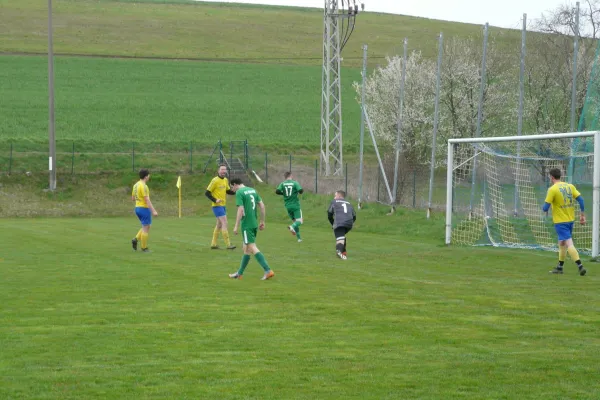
(296, 226)
(261, 260)
(244, 264)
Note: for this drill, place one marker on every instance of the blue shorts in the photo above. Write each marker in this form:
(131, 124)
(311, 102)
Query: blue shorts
(564, 230)
(219, 211)
(144, 215)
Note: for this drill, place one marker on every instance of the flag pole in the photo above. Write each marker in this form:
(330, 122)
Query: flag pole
(179, 188)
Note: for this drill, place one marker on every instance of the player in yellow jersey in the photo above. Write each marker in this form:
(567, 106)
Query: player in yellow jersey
(217, 192)
(561, 197)
(143, 209)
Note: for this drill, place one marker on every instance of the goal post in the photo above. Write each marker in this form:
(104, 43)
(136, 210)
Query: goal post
(496, 187)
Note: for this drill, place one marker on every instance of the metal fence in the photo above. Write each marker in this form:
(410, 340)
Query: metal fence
(75, 158)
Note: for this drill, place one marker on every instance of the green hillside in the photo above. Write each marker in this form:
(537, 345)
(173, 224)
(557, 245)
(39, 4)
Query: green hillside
(213, 31)
(113, 100)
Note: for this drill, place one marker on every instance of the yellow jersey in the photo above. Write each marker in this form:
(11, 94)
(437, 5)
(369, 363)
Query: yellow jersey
(140, 190)
(218, 187)
(561, 197)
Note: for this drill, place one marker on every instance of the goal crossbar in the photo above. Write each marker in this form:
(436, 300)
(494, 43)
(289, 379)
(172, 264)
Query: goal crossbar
(595, 135)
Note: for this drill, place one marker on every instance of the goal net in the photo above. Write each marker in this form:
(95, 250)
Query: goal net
(496, 189)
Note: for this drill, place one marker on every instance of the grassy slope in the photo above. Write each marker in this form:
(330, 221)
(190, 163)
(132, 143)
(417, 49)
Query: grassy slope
(115, 100)
(84, 317)
(212, 31)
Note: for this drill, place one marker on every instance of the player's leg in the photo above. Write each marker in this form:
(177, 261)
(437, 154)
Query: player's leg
(243, 264)
(215, 236)
(146, 222)
(251, 239)
(297, 222)
(138, 236)
(291, 215)
(573, 253)
(565, 245)
(225, 231)
(340, 239)
(562, 250)
(344, 252)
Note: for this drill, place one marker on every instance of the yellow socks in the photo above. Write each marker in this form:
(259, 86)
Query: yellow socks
(562, 253)
(139, 234)
(214, 238)
(225, 234)
(573, 253)
(144, 240)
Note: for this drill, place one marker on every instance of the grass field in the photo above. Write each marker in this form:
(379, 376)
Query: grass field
(83, 316)
(212, 31)
(113, 100)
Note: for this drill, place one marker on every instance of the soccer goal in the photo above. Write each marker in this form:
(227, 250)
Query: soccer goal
(496, 187)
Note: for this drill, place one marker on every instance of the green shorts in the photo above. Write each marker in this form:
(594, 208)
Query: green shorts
(249, 235)
(294, 213)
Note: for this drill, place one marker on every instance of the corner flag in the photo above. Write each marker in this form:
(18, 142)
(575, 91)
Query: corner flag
(179, 187)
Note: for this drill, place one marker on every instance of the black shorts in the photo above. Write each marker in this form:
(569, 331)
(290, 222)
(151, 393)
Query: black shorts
(341, 231)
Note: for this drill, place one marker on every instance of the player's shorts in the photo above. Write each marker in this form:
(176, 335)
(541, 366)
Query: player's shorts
(294, 213)
(564, 230)
(340, 232)
(144, 214)
(219, 211)
(249, 235)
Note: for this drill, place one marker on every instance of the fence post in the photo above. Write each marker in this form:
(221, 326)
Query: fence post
(133, 157)
(290, 163)
(266, 167)
(191, 157)
(415, 189)
(316, 176)
(378, 181)
(346, 179)
(73, 159)
(220, 152)
(10, 159)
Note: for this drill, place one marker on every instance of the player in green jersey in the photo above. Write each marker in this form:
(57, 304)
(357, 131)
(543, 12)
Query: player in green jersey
(247, 201)
(290, 189)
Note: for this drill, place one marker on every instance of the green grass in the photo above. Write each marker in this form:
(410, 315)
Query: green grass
(214, 31)
(170, 102)
(84, 317)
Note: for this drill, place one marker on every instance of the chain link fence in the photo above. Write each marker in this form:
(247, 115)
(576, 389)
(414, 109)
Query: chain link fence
(74, 158)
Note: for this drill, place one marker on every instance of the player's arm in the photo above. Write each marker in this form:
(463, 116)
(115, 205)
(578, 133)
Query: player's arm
(263, 214)
(208, 194)
(299, 188)
(209, 190)
(239, 202)
(330, 214)
(228, 190)
(353, 215)
(548, 201)
(238, 218)
(150, 206)
(279, 190)
(581, 209)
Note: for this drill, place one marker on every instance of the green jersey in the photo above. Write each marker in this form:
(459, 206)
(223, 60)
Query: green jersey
(248, 198)
(290, 190)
